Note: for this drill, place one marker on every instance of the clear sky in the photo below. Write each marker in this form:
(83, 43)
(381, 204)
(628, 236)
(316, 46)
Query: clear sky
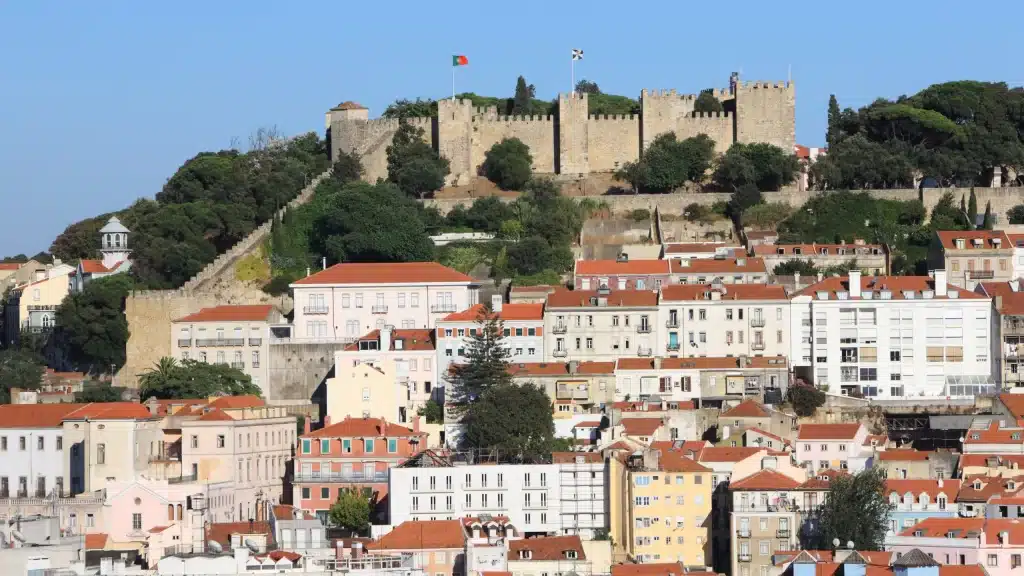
(101, 101)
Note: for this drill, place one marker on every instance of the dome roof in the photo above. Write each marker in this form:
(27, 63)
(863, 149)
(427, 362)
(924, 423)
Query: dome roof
(114, 226)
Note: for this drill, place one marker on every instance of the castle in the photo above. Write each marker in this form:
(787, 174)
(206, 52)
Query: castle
(574, 142)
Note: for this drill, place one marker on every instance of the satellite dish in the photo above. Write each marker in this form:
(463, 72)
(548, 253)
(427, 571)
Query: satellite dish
(215, 546)
(835, 542)
(251, 545)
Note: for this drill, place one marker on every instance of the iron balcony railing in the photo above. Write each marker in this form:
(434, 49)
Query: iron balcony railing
(757, 346)
(672, 346)
(643, 329)
(208, 342)
(981, 274)
(560, 329)
(672, 323)
(744, 557)
(443, 308)
(255, 341)
(558, 353)
(332, 476)
(757, 321)
(782, 533)
(743, 533)
(379, 309)
(315, 309)
(238, 365)
(643, 351)
(184, 342)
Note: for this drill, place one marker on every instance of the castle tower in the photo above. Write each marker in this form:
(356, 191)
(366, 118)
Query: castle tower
(766, 112)
(345, 127)
(573, 154)
(114, 242)
(454, 138)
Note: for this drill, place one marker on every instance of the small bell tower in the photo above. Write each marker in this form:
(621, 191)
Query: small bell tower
(114, 242)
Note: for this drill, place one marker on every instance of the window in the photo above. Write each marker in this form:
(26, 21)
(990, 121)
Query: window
(590, 343)
(136, 521)
(101, 454)
(325, 446)
(21, 443)
(255, 358)
(306, 445)
(40, 443)
(368, 445)
(60, 443)
(220, 441)
(392, 445)
(993, 560)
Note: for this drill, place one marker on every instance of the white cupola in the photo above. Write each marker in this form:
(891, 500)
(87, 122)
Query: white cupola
(114, 242)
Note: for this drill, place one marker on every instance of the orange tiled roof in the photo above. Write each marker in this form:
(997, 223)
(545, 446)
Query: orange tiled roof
(172, 406)
(980, 488)
(768, 434)
(652, 569)
(415, 339)
(765, 480)
(996, 433)
(827, 431)
(896, 284)
(35, 415)
(96, 541)
(469, 521)
(917, 487)
(903, 455)
(687, 292)
(158, 529)
(287, 512)
(362, 427)
(93, 266)
(241, 313)
(616, 268)
(1014, 403)
(1004, 460)
(245, 401)
(677, 461)
(616, 298)
(1011, 303)
(747, 409)
(508, 313)
(948, 239)
(728, 265)
(561, 369)
(215, 415)
(943, 527)
(10, 265)
(727, 453)
(698, 247)
(640, 426)
(586, 424)
(221, 531)
(390, 273)
(546, 548)
(423, 535)
(822, 480)
(879, 439)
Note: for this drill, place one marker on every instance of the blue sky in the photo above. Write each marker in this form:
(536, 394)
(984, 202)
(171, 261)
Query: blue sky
(102, 101)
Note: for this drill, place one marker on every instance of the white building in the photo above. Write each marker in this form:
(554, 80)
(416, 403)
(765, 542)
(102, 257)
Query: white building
(564, 497)
(1017, 241)
(600, 325)
(32, 450)
(524, 332)
(892, 336)
(346, 301)
(719, 320)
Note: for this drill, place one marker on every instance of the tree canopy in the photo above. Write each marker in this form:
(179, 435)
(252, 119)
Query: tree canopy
(93, 330)
(413, 165)
(668, 163)
(19, 369)
(508, 164)
(706, 102)
(765, 166)
(855, 510)
(804, 399)
(193, 379)
(351, 511)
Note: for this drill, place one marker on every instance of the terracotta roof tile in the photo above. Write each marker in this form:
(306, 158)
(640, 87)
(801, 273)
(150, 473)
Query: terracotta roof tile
(245, 401)
(93, 266)
(942, 527)
(1011, 302)
(1002, 460)
(768, 434)
(586, 424)
(879, 440)
(277, 555)
(390, 273)
(362, 428)
(948, 239)
(652, 569)
(980, 488)
(746, 409)
(641, 426)
(414, 339)
(616, 268)
(547, 548)
(727, 453)
(828, 431)
(728, 292)
(96, 541)
(522, 369)
(10, 265)
(158, 529)
(1014, 403)
(508, 313)
(904, 455)
(822, 480)
(765, 480)
(215, 415)
(678, 461)
(716, 266)
(996, 433)
(917, 487)
(287, 512)
(423, 535)
(874, 284)
(616, 298)
(35, 415)
(221, 531)
(241, 313)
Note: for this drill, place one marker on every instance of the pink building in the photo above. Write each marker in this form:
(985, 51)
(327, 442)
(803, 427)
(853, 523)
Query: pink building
(996, 544)
(835, 446)
(621, 274)
(354, 453)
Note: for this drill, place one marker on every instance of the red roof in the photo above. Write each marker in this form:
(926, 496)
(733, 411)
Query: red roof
(903, 455)
(582, 298)
(245, 401)
(588, 424)
(96, 541)
(828, 431)
(1002, 460)
(215, 415)
(652, 569)
(996, 433)
(617, 268)
(362, 427)
(561, 369)
(948, 239)
(277, 555)
(822, 480)
(390, 273)
(10, 265)
(221, 532)
(414, 339)
(768, 434)
(93, 266)
(874, 284)
(765, 480)
(641, 426)
(287, 512)
(917, 487)
(423, 535)
(727, 453)
(546, 548)
(242, 313)
(508, 313)
(980, 488)
(1011, 302)
(708, 266)
(687, 292)
(1014, 403)
(746, 409)
(677, 461)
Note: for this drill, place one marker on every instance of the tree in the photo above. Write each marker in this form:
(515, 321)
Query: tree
(706, 102)
(804, 399)
(1015, 215)
(418, 108)
(511, 230)
(587, 87)
(413, 165)
(93, 329)
(486, 365)
(462, 258)
(19, 369)
(529, 435)
(351, 511)
(989, 221)
(668, 163)
(766, 216)
(487, 214)
(101, 391)
(790, 267)
(764, 165)
(972, 210)
(346, 168)
(856, 510)
(522, 102)
(432, 411)
(508, 164)
(747, 196)
(193, 379)
(79, 240)
(834, 118)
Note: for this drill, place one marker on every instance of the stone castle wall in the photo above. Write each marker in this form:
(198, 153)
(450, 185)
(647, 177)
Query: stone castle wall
(573, 142)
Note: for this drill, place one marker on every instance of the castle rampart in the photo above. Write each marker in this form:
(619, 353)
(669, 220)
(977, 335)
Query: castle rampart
(574, 141)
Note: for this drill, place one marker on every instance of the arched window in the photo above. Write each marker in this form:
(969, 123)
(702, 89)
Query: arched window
(170, 511)
(923, 499)
(117, 240)
(908, 498)
(179, 511)
(894, 499)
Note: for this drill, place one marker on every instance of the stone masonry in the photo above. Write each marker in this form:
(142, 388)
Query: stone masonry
(574, 142)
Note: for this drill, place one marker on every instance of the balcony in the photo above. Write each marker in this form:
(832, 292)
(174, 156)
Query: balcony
(571, 392)
(643, 329)
(757, 346)
(441, 309)
(333, 476)
(643, 351)
(981, 274)
(743, 557)
(182, 479)
(672, 346)
(782, 533)
(184, 342)
(22, 494)
(379, 309)
(559, 328)
(255, 341)
(238, 365)
(741, 533)
(5, 493)
(559, 353)
(215, 342)
(672, 323)
(39, 493)
(315, 310)
(757, 321)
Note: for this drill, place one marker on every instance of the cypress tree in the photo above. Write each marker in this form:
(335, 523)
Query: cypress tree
(832, 135)
(989, 221)
(972, 211)
(521, 101)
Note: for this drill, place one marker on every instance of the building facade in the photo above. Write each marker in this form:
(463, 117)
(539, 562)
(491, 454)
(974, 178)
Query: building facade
(523, 325)
(740, 270)
(620, 274)
(972, 256)
(834, 446)
(600, 325)
(870, 259)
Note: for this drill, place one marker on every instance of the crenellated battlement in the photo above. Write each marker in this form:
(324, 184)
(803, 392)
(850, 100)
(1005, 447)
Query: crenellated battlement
(484, 110)
(630, 117)
(761, 85)
(536, 118)
(702, 115)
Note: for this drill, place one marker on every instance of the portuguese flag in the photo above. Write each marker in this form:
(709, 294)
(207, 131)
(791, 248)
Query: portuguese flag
(460, 60)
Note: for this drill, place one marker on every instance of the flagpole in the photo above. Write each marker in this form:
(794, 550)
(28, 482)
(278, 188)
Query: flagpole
(453, 82)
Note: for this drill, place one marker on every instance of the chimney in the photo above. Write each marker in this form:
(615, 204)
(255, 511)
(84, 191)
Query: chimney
(796, 280)
(327, 420)
(416, 425)
(252, 528)
(574, 366)
(1004, 539)
(385, 337)
(1015, 285)
(940, 282)
(854, 284)
(940, 482)
(999, 302)
(496, 302)
(339, 551)
(820, 276)
(306, 426)
(357, 550)
(383, 426)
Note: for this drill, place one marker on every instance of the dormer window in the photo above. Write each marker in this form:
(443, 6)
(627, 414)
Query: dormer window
(570, 554)
(1015, 436)
(918, 533)
(1011, 485)
(525, 554)
(959, 243)
(977, 485)
(975, 436)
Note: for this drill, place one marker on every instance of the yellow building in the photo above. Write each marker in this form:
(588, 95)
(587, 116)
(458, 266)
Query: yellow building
(669, 508)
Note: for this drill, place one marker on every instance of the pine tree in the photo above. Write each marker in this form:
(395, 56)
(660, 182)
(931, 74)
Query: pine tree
(834, 115)
(486, 366)
(855, 509)
(989, 222)
(972, 210)
(962, 216)
(522, 100)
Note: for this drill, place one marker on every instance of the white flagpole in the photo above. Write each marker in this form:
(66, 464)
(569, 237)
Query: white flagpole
(453, 81)
(572, 74)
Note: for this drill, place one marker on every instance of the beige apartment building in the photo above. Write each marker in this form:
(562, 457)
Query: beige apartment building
(1007, 331)
(719, 320)
(108, 442)
(763, 519)
(740, 270)
(239, 439)
(235, 335)
(973, 256)
(572, 386)
(600, 325)
(871, 259)
(32, 307)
